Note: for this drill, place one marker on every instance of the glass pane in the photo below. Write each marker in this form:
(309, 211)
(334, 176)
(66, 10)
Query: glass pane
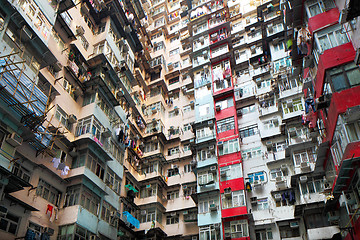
(324, 43)
(314, 10)
(339, 82)
(354, 77)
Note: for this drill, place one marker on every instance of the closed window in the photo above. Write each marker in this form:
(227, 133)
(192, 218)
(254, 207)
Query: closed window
(307, 156)
(172, 219)
(226, 103)
(48, 192)
(205, 178)
(249, 131)
(208, 233)
(248, 109)
(173, 52)
(237, 199)
(236, 229)
(230, 172)
(251, 153)
(293, 105)
(343, 77)
(315, 7)
(173, 194)
(331, 37)
(228, 147)
(9, 223)
(225, 124)
(264, 234)
(258, 177)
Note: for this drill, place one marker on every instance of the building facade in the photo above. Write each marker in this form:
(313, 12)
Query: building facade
(179, 119)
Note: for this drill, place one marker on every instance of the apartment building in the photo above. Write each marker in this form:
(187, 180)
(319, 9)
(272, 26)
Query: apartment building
(179, 119)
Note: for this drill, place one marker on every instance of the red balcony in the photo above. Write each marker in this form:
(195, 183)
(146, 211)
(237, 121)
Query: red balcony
(323, 20)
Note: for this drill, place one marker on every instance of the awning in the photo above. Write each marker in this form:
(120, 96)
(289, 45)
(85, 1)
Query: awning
(21, 203)
(321, 156)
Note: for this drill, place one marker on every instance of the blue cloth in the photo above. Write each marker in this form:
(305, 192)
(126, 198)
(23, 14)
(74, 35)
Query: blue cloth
(131, 219)
(309, 102)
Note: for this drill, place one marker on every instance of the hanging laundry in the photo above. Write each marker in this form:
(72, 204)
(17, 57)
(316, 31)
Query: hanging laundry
(65, 171)
(61, 166)
(309, 105)
(303, 38)
(56, 162)
(50, 209)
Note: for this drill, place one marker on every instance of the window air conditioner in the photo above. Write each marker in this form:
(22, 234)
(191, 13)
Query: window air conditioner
(303, 179)
(173, 214)
(212, 168)
(72, 118)
(14, 139)
(277, 196)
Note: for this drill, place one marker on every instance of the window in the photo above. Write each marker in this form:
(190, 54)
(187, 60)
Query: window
(9, 223)
(187, 168)
(88, 99)
(237, 199)
(225, 124)
(204, 110)
(159, 22)
(89, 125)
(274, 173)
(204, 132)
(21, 172)
(62, 117)
(190, 189)
(84, 42)
(307, 156)
(251, 153)
(171, 195)
(230, 172)
(262, 204)
(205, 178)
(273, 123)
(187, 147)
(173, 171)
(149, 190)
(158, 46)
(289, 232)
(264, 234)
(113, 181)
(157, 61)
(48, 192)
(248, 132)
(173, 151)
(37, 229)
(312, 186)
(156, 35)
(174, 80)
(343, 77)
(208, 233)
(331, 37)
(174, 39)
(188, 108)
(72, 196)
(236, 229)
(258, 177)
(316, 7)
(283, 62)
(173, 113)
(149, 216)
(106, 212)
(174, 51)
(248, 109)
(204, 205)
(101, 28)
(174, 27)
(227, 147)
(95, 165)
(278, 46)
(187, 127)
(204, 154)
(226, 103)
(74, 231)
(150, 146)
(292, 106)
(172, 219)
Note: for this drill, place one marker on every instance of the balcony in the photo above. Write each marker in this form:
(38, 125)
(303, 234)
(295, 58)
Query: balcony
(264, 111)
(288, 92)
(202, 81)
(88, 174)
(180, 155)
(274, 156)
(243, 94)
(153, 199)
(281, 183)
(323, 232)
(264, 90)
(78, 214)
(253, 37)
(202, 163)
(205, 137)
(260, 71)
(219, 51)
(269, 132)
(149, 225)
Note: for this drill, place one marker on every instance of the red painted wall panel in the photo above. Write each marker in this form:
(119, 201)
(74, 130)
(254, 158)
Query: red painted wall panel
(331, 58)
(231, 212)
(228, 158)
(235, 184)
(323, 20)
(340, 101)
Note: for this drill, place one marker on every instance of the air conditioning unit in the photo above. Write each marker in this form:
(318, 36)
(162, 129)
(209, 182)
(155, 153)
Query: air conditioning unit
(27, 34)
(173, 214)
(210, 123)
(268, 143)
(303, 179)
(14, 139)
(170, 66)
(193, 163)
(213, 207)
(211, 147)
(212, 168)
(304, 166)
(185, 187)
(283, 167)
(106, 133)
(218, 108)
(294, 224)
(80, 30)
(223, 173)
(253, 200)
(277, 196)
(143, 212)
(239, 112)
(253, 49)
